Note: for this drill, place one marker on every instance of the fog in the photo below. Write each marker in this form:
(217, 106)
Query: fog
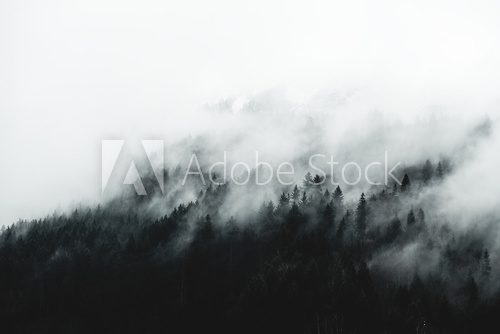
(410, 78)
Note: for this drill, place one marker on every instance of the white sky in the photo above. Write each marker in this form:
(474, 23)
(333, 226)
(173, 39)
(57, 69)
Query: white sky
(75, 72)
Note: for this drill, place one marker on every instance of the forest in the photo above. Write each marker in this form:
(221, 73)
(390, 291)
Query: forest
(308, 261)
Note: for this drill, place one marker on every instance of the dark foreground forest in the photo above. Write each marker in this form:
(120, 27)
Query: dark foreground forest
(308, 262)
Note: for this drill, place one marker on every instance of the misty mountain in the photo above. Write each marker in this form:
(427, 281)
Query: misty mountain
(307, 261)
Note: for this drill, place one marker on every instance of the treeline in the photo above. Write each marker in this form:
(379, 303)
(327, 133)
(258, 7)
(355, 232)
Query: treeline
(308, 262)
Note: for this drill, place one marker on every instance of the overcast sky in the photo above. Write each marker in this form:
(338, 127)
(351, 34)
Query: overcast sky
(75, 72)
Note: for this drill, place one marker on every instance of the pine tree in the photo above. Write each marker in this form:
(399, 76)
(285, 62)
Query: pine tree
(304, 201)
(317, 179)
(427, 171)
(308, 180)
(338, 196)
(293, 219)
(268, 210)
(439, 170)
(207, 229)
(421, 216)
(283, 203)
(328, 215)
(485, 265)
(361, 213)
(342, 226)
(394, 229)
(411, 220)
(326, 195)
(405, 183)
(231, 226)
(295, 194)
(294, 212)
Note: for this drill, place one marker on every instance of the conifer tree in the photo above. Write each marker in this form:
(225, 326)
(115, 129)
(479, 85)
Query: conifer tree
(427, 171)
(326, 195)
(338, 196)
(394, 229)
(304, 201)
(411, 220)
(421, 216)
(283, 203)
(328, 215)
(485, 265)
(439, 170)
(207, 230)
(342, 226)
(295, 194)
(405, 183)
(317, 179)
(308, 180)
(361, 213)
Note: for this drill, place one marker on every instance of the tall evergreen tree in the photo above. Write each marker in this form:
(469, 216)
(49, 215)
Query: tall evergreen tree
(317, 179)
(308, 180)
(338, 197)
(342, 227)
(207, 229)
(283, 203)
(328, 216)
(405, 183)
(361, 213)
(326, 195)
(270, 209)
(411, 220)
(440, 170)
(421, 216)
(295, 194)
(427, 171)
(394, 229)
(485, 265)
(304, 201)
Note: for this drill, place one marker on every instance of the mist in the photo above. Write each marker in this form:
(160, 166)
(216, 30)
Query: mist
(72, 74)
(412, 85)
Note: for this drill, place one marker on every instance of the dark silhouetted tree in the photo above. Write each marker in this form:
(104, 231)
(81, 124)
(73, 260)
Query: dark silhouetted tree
(393, 230)
(317, 179)
(338, 197)
(420, 216)
(304, 201)
(328, 217)
(326, 195)
(411, 220)
(308, 179)
(405, 183)
(361, 213)
(439, 170)
(427, 171)
(207, 229)
(485, 265)
(296, 194)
